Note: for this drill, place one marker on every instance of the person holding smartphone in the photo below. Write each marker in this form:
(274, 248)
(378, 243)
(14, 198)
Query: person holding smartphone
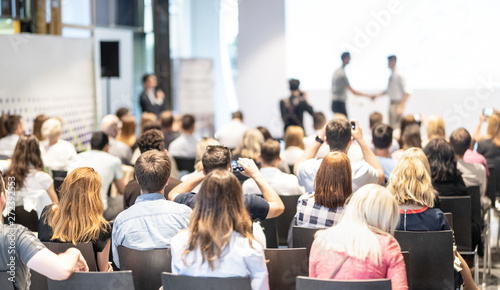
(293, 108)
(151, 98)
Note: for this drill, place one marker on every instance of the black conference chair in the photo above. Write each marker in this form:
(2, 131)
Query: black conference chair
(284, 266)
(185, 164)
(303, 237)
(27, 219)
(460, 208)
(492, 186)
(95, 280)
(179, 282)
(283, 221)
(5, 284)
(271, 232)
(59, 177)
(146, 266)
(39, 282)
(449, 218)
(431, 258)
(406, 256)
(306, 283)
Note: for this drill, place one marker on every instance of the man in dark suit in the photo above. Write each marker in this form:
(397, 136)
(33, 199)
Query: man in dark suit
(151, 98)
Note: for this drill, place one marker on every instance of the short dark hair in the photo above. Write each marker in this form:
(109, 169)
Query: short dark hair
(11, 123)
(375, 118)
(345, 55)
(392, 57)
(216, 157)
(319, 120)
(151, 140)
(270, 151)
(152, 170)
(188, 122)
(99, 140)
(146, 76)
(338, 134)
(294, 84)
(265, 132)
(237, 115)
(122, 112)
(382, 136)
(460, 140)
(166, 119)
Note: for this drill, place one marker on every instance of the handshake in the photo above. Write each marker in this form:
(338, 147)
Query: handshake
(373, 97)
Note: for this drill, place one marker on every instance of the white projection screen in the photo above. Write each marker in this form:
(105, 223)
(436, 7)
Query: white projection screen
(448, 50)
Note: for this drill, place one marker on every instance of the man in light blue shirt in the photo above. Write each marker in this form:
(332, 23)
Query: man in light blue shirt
(152, 221)
(382, 141)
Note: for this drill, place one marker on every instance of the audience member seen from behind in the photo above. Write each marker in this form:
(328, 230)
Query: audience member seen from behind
(491, 129)
(361, 245)
(27, 171)
(122, 112)
(30, 253)
(14, 127)
(219, 241)
(3, 130)
(37, 126)
(231, 133)
(319, 121)
(153, 221)
(490, 146)
(294, 107)
(127, 132)
(149, 140)
(333, 184)
(435, 128)
(405, 122)
(249, 147)
(294, 145)
(411, 139)
(198, 166)
(375, 119)
(265, 132)
(185, 145)
(111, 125)
(411, 185)
(56, 153)
(282, 183)
(77, 218)
(166, 122)
(382, 142)
(146, 120)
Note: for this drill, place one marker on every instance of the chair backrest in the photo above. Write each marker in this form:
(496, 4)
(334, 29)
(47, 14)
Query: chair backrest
(303, 237)
(86, 249)
(431, 258)
(449, 218)
(184, 163)
(496, 174)
(460, 207)
(406, 256)
(285, 265)
(475, 203)
(27, 219)
(270, 231)
(179, 282)
(5, 284)
(491, 188)
(306, 283)
(146, 266)
(283, 221)
(59, 177)
(121, 280)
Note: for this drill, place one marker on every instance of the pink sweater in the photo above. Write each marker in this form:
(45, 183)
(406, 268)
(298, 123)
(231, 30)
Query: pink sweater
(323, 262)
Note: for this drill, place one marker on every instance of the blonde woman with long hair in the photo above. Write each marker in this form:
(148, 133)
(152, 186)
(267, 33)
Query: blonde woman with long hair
(411, 186)
(435, 128)
(219, 241)
(78, 217)
(249, 146)
(294, 145)
(127, 133)
(361, 243)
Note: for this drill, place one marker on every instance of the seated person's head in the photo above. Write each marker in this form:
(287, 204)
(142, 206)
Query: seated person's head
(294, 136)
(201, 148)
(419, 154)
(441, 160)
(319, 120)
(188, 123)
(460, 141)
(270, 153)
(265, 132)
(151, 140)
(216, 157)
(99, 141)
(37, 126)
(333, 183)
(375, 119)
(110, 125)
(410, 182)
(51, 129)
(411, 137)
(152, 171)
(338, 134)
(14, 125)
(249, 146)
(435, 127)
(121, 112)
(147, 118)
(382, 136)
(166, 120)
(237, 115)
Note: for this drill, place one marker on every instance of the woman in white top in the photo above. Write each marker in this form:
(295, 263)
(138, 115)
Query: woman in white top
(219, 241)
(294, 145)
(56, 153)
(26, 171)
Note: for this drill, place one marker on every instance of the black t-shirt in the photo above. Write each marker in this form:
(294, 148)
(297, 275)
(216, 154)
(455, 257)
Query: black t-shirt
(17, 246)
(490, 151)
(256, 206)
(45, 233)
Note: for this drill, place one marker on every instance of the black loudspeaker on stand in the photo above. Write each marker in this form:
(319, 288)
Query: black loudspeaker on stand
(110, 66)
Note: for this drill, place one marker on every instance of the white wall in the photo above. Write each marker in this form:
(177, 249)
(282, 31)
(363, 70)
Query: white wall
(261, 65)
(121, 88)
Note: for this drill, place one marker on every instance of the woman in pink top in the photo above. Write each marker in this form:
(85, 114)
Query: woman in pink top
(361, 242)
